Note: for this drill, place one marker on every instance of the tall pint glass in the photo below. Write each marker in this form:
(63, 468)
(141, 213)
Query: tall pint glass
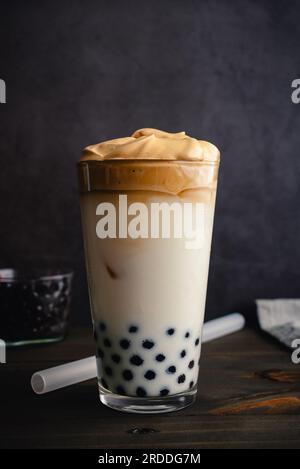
(147, 228)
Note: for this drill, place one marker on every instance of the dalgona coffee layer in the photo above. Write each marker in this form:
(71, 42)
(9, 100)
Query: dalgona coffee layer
(153, 144)
(149, 160)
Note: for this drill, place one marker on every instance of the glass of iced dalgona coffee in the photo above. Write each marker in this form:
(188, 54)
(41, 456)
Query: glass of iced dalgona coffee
(147, 204)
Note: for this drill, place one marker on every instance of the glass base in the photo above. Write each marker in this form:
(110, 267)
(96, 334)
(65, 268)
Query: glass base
(147, 405)
(20, 343)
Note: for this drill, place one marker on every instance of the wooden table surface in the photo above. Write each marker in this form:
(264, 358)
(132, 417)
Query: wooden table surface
(249, 397)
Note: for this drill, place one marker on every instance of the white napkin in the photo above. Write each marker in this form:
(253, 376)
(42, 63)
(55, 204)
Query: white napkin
(280, 318)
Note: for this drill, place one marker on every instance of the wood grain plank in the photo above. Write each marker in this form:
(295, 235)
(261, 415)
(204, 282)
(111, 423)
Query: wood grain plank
(249, 397)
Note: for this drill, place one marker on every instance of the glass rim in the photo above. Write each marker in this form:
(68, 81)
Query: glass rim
(15, 275)
(121, 161)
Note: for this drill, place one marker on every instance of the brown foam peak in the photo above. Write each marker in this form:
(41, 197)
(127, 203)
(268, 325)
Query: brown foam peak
(153, 144)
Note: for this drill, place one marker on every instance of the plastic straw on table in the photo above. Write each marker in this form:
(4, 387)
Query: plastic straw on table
(81, 370)
(222, 326)
(63, 375)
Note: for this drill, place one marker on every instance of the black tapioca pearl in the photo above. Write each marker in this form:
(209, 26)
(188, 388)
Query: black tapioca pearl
(141, 392)
(107, 342)
(191, 384)
(133, 329)
(102, 326)
(104, 383)
(125, 344)
(136, 360)
(160, 357)
(181, 379)
(120, 390)
(148, 344)
(127, 375)
(63, 301)
(115, 358)
(54, 287)
(171, 369)
(100, 353)
(171, 331)
(150, 374)
(191, 364)
(187, 335)
(65, 285)
(108, 371)
(164, 392)
(183, 353)
(197, 341)
(40, 288)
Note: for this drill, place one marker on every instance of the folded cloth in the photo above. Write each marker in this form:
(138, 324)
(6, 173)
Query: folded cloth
(280, 318)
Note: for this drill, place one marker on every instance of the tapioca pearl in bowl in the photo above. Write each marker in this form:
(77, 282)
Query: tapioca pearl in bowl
(133, 329)
(197, 341)
(170, 331)
(164, 392)
(191, 384)
(183, 353)
(171, 369)
(187, 335)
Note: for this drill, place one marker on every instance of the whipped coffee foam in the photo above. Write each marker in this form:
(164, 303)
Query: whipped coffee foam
(150, 160)
(147, 295)
(153, 144)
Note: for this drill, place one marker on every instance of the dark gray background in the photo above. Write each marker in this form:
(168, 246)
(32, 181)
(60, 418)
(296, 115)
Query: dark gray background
(79, 72)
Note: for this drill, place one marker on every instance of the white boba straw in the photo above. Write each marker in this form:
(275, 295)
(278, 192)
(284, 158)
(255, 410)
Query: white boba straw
(222, 326)
(63, 375)
(81, 370)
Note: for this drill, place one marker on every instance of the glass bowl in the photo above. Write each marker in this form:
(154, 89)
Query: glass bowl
(34, 306)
